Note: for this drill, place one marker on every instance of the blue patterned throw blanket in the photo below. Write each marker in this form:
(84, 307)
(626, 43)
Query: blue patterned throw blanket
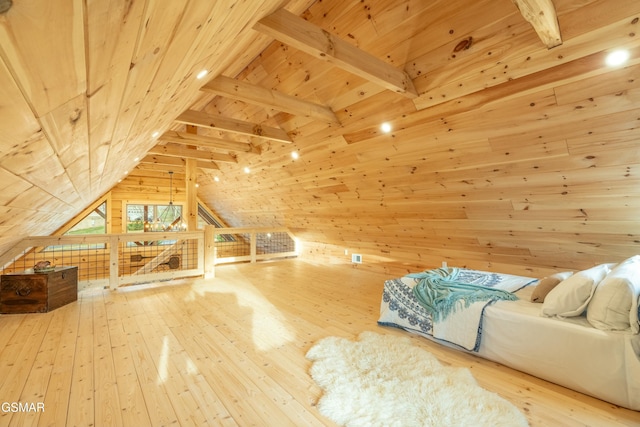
(439, 292)
(447, 304)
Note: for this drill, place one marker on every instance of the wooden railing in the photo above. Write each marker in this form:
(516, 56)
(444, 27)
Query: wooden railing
(249, 244)
(124, 259)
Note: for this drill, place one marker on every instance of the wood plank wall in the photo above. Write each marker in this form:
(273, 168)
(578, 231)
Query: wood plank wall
(494, 166)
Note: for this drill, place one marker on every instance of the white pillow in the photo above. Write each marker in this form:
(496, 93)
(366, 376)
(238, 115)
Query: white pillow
(572, 295)
(614, 306)
(544, 285)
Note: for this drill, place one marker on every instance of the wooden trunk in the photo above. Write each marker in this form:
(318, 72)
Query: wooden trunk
(30, 292)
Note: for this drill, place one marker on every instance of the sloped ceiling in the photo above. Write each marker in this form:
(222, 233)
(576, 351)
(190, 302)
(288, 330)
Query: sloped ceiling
(503, 149)
(86, 85)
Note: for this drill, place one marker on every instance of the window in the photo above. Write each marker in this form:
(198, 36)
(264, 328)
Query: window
(95, 222)
(149, 218)
(205, 218)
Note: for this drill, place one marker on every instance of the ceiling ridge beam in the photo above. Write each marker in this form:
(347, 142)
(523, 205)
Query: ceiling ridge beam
(307, 37)
(252, 94)
(217, 122)
(173, 150)
(160, 160)
(541, 14)
(207, 142)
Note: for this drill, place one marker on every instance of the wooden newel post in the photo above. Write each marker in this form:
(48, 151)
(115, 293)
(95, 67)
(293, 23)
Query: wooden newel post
(209, 251)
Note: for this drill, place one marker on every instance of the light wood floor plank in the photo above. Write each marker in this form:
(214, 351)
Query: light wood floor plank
(132, 405)
(157, 401)
(38, 380)
(81, 395)
(107, 399)
(20, 358)
(228, 351)
(9, 326)
(56, 400)
(172, 367)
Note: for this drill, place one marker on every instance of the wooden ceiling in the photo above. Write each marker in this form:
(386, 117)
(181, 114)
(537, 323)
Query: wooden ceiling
(512, 143)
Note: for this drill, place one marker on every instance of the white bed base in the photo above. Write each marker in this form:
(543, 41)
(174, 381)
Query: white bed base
(568, 352)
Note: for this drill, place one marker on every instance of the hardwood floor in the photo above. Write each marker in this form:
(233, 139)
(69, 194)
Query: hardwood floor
(227, 351)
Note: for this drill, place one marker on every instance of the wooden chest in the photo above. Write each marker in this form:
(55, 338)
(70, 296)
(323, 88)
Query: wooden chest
(30, 292)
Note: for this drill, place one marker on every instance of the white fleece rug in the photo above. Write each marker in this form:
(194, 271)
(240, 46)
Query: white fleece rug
(384, 380)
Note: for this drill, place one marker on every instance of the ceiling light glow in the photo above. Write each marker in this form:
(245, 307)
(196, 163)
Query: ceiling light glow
(385, 127)
(294, 155)
(202, 74)
(247, 170)
(617, 57)
(155, 134)
(216, 179)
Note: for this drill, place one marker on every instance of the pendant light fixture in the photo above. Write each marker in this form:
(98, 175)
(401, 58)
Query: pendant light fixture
(171, 218)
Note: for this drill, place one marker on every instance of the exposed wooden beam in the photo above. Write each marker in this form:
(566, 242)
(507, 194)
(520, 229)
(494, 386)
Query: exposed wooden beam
(190, 214)
(307, 37)
(162, 160)
(155, 170)
(176, 150)
(252, 94)
(541, 14)
(156, 159)
(207, 141)
(202, 164)
(211, 121)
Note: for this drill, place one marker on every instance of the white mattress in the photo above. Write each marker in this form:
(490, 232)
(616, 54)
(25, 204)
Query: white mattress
(568, 352)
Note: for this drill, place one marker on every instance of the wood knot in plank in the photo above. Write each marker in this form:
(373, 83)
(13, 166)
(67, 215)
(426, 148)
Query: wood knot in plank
(331, 48)
(257, 130)
(75, 116)
(463, 44)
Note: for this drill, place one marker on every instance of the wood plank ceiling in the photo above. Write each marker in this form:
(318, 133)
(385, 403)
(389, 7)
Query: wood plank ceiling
(511, 142)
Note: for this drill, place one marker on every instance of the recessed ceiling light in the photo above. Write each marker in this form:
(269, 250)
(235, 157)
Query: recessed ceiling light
(216, 179)
(155, 134)
(385, 127)
(136, 159)
(294, 155)
(247, 170)
(201, 74)
(617, 57)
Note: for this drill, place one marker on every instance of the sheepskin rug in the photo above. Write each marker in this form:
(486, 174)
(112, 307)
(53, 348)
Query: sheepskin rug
(385, 380)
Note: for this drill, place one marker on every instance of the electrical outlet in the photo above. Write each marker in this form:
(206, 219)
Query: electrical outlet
(356, 258)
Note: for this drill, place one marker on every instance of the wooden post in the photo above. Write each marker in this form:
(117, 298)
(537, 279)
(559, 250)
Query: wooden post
(190, 181)
(209, 251)
(113, 262)
(254, 246)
